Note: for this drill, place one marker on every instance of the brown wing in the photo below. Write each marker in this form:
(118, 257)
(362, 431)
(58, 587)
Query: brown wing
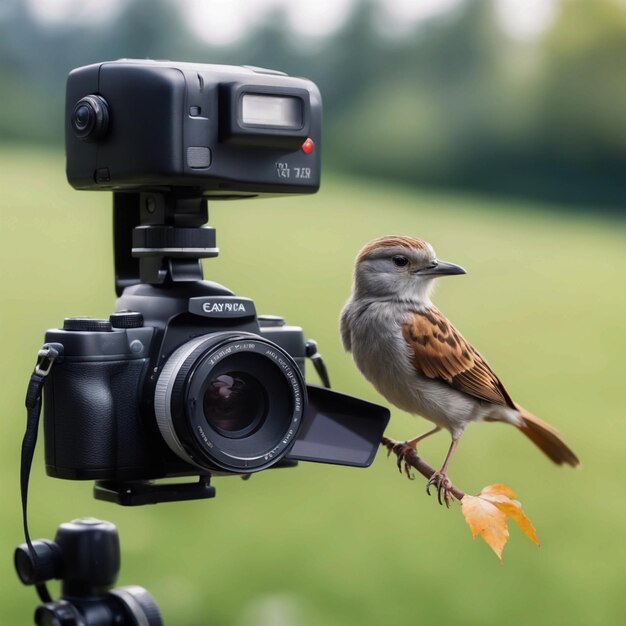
(440, 351)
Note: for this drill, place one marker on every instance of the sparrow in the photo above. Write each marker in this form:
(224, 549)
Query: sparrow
(414, 357)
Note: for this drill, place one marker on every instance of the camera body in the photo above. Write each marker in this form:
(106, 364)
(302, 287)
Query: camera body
(113, 422)
(223, 131)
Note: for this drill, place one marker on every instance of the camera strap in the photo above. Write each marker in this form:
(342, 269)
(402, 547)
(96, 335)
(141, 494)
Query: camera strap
(318, 362)
(49, 353)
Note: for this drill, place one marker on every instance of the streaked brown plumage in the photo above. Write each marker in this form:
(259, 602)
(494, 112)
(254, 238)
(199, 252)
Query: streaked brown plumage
(441, 352)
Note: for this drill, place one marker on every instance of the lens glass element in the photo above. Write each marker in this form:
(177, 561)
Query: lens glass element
(82, 116)
(90, 118)
(234, 404)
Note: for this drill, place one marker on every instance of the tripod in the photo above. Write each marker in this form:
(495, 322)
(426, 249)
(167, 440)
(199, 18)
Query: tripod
(85, 556)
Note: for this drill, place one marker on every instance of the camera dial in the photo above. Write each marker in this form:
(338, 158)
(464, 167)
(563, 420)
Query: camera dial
(230, 400)
(90, 118)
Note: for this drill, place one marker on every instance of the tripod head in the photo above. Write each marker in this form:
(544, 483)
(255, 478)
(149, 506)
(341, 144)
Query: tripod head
(85, 556)
(159, 238)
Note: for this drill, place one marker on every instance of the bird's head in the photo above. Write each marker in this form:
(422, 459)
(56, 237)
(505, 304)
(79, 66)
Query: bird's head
(399, 267)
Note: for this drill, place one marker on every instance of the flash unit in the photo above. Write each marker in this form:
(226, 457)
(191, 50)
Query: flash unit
(276, 111)
(224, 131)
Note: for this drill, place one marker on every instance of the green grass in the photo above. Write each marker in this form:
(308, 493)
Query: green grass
(544, 300)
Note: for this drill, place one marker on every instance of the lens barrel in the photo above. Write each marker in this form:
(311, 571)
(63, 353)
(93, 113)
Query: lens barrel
(90, 118)
(231, 401)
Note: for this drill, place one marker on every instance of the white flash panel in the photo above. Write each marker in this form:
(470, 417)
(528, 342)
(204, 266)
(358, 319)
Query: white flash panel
(276, 111)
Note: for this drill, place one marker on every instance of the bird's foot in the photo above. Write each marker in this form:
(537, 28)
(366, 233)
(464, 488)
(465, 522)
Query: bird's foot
(441, 481)
(402, 450)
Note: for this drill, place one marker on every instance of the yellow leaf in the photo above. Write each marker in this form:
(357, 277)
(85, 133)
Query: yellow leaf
(487, 515)
(513, 509)
(498, 489)
(486, 520)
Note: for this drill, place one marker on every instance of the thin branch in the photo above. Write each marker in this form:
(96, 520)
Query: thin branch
(409, 457)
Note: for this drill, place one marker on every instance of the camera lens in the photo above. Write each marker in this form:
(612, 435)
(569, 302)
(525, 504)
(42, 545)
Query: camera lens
(90, 118)
(82, 116)
(231, 401)
(234, 404)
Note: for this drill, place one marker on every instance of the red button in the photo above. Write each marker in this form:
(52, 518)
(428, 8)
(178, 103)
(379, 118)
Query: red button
(307, 146)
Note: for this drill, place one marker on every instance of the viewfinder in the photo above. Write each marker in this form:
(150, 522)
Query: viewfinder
(275, 111)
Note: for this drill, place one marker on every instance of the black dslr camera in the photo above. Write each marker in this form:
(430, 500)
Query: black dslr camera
(185, 378)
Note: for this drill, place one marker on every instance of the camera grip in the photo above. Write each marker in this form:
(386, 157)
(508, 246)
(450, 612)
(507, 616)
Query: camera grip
(91, 417)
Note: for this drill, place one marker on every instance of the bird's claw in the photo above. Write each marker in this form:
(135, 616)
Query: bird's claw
(400, 450)
(443, 485)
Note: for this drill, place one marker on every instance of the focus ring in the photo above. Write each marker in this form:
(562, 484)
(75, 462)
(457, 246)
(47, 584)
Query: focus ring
(163, 396)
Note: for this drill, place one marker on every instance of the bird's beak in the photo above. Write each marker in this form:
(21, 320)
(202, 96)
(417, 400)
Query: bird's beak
(441, 268)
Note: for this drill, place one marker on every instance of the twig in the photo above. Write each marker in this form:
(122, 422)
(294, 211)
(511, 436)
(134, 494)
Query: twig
(409, 456)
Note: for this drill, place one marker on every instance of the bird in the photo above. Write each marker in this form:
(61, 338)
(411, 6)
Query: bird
(418, 361)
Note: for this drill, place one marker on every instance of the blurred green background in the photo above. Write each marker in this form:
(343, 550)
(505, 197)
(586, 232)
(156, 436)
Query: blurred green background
(494, 129)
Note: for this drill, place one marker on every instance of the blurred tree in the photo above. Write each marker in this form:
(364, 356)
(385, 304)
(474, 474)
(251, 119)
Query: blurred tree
(452, 101)
(582, 97)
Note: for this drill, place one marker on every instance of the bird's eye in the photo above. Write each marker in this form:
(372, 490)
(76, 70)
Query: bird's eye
(400, 261)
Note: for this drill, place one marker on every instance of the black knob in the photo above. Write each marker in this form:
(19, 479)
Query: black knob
(271, 321)
(91, 556)
(87, 324)
(310, 347)
(138, 605)
(45, 564)
(59, 613)
(126, 319)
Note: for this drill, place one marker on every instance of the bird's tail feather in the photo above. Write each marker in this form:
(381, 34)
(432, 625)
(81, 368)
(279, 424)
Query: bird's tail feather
(547, 439)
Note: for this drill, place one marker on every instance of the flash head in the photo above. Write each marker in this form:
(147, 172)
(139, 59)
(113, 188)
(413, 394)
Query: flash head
(214, 130)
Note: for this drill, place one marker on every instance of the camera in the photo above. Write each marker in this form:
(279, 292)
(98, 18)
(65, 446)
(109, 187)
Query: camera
(184, 378)
(184, 383)
(225, 131)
